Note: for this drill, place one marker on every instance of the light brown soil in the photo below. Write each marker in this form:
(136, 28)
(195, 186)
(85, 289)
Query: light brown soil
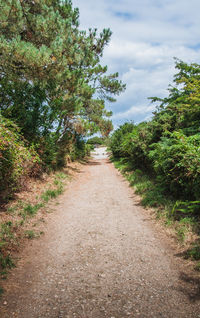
(101, 256)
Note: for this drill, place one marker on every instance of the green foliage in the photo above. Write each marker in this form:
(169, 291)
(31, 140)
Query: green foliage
(6, 262)
(161, 158)
(182, 209)
(6, 237)
(152, 194)
(53, 193)
(50, 194)
(52, 84)
(79, 149)
(181, 231)
(176, 162)
(118, 138)
(17, 161)
(30, 209)
(7, 233)
(168, 146)
(61, 175)
(95, 141)
(53, 88)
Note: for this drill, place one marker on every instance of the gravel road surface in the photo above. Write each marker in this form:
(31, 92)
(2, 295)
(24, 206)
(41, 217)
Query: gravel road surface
(101, 256)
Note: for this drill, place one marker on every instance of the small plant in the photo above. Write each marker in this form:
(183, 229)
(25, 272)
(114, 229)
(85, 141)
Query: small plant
(168, 222)
(32, 209)
(142, 186)
(21, 222)
(6, 232)
(30, 234)
(6, 262)
(183, 209)
(61, 175)
(49, 194)
(181, 232)
(57, 182)
(4, 274)
(52, 194)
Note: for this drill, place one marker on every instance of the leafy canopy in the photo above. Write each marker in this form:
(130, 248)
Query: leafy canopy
(51, 70)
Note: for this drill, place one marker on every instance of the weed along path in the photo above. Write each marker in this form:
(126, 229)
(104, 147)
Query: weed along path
(101, 256)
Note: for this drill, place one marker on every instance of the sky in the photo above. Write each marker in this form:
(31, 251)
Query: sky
(147, 35)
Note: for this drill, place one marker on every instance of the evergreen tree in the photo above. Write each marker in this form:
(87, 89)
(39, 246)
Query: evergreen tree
(50, 71)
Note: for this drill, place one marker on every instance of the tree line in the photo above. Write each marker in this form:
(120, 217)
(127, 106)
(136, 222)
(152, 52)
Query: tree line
(168, 146)
(53, 87)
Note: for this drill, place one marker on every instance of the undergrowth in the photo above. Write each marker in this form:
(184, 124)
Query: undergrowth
(183, 217)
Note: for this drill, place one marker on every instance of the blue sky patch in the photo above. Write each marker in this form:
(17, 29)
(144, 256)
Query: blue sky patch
(125, 15)
(147, 34)
(195, 46)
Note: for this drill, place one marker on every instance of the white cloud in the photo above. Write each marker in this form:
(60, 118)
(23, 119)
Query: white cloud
(147, 34)
(134, 110)
(146, 54)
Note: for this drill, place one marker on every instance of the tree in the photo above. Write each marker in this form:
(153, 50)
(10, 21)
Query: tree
(51, 71)
(181, 109)
(168, 146)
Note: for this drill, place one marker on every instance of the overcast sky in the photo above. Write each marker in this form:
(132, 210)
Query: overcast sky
(147, 34)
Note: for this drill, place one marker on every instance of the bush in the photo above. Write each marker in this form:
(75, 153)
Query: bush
(79, 149)
(95, 141)
(17, 161)
(116, 143)
(176, 161)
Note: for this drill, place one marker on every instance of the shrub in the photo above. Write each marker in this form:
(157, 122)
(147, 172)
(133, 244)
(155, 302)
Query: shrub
(176, 161)
(118, 138)
(17, 161)
(79, 149)
(95, 141)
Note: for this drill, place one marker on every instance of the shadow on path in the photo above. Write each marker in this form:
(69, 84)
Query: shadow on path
(192, 289)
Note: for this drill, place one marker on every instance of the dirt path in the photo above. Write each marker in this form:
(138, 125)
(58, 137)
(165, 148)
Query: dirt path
(101, 256)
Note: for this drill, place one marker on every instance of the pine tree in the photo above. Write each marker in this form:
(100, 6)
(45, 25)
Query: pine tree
(50, 71)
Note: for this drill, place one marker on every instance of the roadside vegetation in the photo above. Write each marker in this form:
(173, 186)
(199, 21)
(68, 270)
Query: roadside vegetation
(161, 158)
